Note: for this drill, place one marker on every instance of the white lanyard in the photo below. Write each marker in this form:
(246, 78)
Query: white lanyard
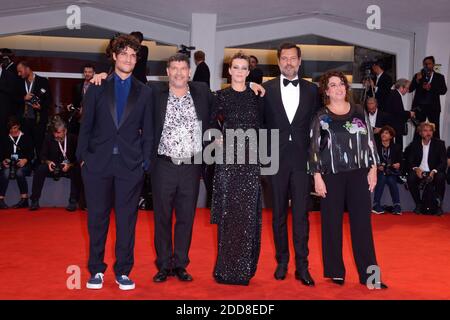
(28, 89)
(16, 142)
(63, 150)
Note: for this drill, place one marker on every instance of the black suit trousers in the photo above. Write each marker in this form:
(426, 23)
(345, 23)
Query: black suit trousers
(119, 188)
(175, 187)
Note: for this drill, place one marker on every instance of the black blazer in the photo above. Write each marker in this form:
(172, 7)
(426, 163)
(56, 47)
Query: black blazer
(24, 148)
(203, 101)
(41, 88)
(396, 154)
(100, 131)
(398, 115)
(9, 97)
(77, 94)
(384, 88)
(437, 155)
(438, 87)
(255, 75)
(202, 73)
(51, 151)
(275, 117)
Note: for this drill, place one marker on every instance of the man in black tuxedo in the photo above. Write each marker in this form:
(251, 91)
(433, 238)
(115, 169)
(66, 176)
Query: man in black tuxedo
(289, 104)
(58, 150)
(382, 84)
(377, 118)
(428, 161)
(429, 86)
(398, 115)
(202, 70)
(180, 108)
(114, 148)
(37, 102)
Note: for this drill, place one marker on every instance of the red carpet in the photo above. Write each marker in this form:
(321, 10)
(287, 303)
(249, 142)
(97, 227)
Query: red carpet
(36, 249)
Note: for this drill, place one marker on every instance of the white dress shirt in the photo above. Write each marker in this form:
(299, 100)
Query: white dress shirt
(373, 118)
(424, 164)
(290, 95)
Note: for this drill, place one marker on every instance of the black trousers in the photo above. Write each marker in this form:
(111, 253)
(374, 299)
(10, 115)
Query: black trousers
(119, 188)
(414, 182)
(349, 188)
(42, 172)
(174, 187)
(292, 182)
(37, 133)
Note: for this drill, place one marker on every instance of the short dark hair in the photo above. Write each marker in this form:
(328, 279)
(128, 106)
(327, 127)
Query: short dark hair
(429, 58)
(178, 57)
(120, 43)
(288, 45)
(199, 55)
(138, 35)
(12, 121)
(388, 129)
(240, 55)
(88, 65)
(379, 63)
(253, 57)
(25, 63)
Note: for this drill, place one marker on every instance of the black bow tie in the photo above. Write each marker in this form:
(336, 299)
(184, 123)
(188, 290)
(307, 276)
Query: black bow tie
(287, 81)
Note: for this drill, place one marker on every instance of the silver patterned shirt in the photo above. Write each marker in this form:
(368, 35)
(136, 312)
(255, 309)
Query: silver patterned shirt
(181, 135)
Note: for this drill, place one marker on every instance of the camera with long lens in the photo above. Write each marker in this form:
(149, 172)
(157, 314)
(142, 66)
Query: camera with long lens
(426, 75)
(73, 110)
(426, 180)
(35, 98)
(186, 50)
(389, 170)
(58, 170)
(13, 166)
(415, 121)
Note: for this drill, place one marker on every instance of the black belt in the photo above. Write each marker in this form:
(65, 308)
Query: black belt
(176, 161)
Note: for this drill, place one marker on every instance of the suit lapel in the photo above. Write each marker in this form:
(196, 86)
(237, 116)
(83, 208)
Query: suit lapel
(112, 100)
(131, 101)
(196, 99)
(163, 104)
(279, 100)
(301, 101)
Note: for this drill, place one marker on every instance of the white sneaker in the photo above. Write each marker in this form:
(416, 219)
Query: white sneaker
(95, 282)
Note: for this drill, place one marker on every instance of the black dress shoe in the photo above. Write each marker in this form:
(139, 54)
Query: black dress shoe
(305, 278)
(161, 276)
(3, 204)
(34, 205)
(339, 281)
(280, 272)
(23, 203)
(182, 274)
(72, 206)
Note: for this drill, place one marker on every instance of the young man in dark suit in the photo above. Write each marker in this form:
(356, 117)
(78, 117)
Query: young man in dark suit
(377, 118)
(37, 102)
(114, 148)
(382, 84)
(427, 159)
(289, 105)
(429, 86)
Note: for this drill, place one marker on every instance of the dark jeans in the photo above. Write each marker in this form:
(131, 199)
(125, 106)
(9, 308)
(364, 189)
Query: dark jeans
(42, 172)
(21, 177)
(391, 181)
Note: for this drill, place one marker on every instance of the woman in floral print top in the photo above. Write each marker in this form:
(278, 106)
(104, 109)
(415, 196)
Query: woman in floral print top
(343, 159)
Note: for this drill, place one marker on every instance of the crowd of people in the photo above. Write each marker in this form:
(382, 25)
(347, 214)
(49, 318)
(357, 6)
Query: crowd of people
(119, 129)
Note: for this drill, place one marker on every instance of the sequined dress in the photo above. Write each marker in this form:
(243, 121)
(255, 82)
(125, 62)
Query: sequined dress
(236, 204)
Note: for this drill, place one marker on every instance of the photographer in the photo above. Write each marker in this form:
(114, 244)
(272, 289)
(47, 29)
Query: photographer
(429, 85)
(428, 161)
(17, 154)
(58, 160)
(390, 156)
(37, 101)
(382, 84)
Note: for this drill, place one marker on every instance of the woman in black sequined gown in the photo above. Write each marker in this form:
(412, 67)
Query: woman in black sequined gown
(236, 204)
